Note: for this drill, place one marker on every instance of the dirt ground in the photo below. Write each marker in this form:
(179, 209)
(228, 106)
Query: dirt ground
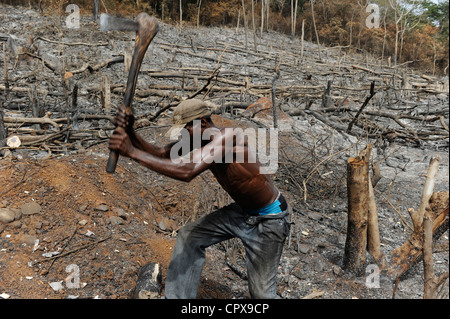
(105, 227)
(91, 232)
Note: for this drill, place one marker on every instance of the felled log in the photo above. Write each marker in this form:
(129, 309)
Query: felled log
(358, 205)
(411, 252)
(39, 120)
(436, 204)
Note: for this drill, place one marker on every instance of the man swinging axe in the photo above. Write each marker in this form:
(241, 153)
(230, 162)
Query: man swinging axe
(258, 216)
(146, 28)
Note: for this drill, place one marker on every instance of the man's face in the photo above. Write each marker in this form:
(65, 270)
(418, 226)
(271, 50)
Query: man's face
(191, 127)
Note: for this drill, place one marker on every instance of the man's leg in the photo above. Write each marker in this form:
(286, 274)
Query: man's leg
(188, 257)
(263, 247)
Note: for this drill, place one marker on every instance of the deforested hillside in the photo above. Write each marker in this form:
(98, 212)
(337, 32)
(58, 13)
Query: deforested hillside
(65, 219)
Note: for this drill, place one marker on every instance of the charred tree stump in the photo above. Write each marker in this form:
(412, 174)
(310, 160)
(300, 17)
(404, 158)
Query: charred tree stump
(358, 211)
(5, 71)
(105, 94)
(35, 108)
(95, 6)
(75, 107)
(148, 285)
(274, 102)
(326, 97)
(3, 133)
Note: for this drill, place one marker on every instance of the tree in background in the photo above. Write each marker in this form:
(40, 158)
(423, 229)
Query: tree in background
(411, 31)
(437, 15)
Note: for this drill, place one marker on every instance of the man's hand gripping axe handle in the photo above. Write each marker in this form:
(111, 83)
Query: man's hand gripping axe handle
(146, 28)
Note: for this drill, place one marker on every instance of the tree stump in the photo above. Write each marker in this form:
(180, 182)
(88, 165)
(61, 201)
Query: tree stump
(148, 285)
(3, 133)
(358, 211)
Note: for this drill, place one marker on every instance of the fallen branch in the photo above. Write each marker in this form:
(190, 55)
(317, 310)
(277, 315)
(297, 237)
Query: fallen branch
(40, 140)
(240, 272)
(34, 120)
(46, 271)
(441, 119)
(18, 183)
(45, 62)
(411, 252)
(73, 250)
(72, 43)
(98, 66)
(24, 90)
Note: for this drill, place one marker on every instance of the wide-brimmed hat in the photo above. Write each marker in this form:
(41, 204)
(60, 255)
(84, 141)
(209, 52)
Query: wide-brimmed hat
(186, 112)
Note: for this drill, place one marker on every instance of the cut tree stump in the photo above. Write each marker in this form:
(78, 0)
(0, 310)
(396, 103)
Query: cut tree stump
(148, 285)
(3, 133)
(358, 211)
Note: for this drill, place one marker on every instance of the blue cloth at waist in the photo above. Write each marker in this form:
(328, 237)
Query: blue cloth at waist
(273, 208)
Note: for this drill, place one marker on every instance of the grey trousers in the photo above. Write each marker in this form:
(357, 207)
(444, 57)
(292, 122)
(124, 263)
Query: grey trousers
(263, 238)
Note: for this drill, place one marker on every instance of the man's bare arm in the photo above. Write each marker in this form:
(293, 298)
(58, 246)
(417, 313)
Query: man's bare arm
(183, 169)
(141, 144)
(126, 120)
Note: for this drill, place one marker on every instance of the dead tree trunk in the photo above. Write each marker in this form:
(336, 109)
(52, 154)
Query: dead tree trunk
(303, 38)
(262, 17)
(3, 133)
(5, 71)
(254, 26)
(245, 25)
(181, 14)
(358, 206)
(198, 13)
(315, 30)
(95, 6)
(274, 102)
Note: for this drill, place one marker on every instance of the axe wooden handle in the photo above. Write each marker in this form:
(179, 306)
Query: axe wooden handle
(148, 28)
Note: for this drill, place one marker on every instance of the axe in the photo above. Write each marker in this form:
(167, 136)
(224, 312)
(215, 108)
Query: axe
(146, 28)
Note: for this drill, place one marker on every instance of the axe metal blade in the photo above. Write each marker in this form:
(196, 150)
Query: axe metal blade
(109, 23)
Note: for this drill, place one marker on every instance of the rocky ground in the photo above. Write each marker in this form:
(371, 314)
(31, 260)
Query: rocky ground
(107, 226)
(75, 231)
